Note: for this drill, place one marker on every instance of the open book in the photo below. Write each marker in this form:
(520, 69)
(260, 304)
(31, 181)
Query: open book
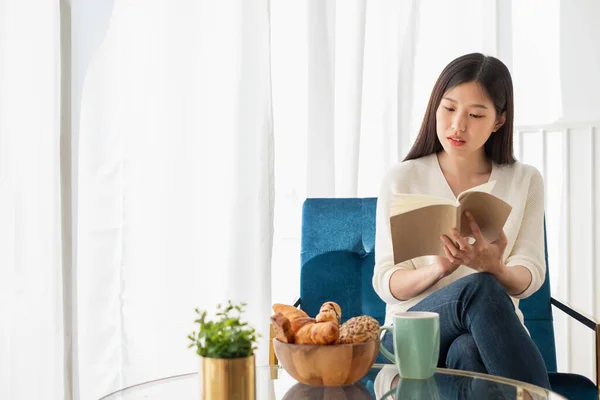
(417, 221)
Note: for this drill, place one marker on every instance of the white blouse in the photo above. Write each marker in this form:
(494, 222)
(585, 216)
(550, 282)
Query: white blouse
(520, 185)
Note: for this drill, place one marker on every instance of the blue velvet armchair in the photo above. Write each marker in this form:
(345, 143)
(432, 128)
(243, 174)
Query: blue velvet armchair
(337, 259)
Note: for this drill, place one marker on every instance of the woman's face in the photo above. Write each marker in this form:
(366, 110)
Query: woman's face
(465, 119)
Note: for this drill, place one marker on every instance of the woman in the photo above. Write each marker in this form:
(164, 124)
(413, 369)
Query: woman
(466, 140)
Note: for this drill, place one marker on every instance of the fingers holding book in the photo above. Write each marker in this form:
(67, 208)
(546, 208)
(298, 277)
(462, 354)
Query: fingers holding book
(481, 255)
(458, 251)
(475, 230)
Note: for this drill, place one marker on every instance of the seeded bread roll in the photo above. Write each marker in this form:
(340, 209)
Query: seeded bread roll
(359, 330)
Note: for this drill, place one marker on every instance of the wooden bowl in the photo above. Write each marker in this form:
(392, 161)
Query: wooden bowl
(327, 365)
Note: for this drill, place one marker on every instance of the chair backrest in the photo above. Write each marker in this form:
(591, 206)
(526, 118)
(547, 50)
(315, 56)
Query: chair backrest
(337, 260)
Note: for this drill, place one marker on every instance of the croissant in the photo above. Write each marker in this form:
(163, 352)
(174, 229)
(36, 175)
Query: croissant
(282, 328)
(298, 323)
(290, 312)
(324, 332)
(311, 332)
(329, 311)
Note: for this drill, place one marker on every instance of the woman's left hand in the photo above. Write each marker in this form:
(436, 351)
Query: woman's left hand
(482, 256)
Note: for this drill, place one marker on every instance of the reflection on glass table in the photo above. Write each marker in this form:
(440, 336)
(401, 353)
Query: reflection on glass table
(453, 384)
(381, 382)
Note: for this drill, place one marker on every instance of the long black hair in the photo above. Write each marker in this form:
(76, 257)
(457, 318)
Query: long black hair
(495, 78)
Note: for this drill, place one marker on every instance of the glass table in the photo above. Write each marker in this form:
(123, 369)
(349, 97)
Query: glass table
(381, 382)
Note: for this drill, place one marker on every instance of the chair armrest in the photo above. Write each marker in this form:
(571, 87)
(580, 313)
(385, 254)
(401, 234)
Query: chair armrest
(272, 357)
(587, 320)
(572, 312)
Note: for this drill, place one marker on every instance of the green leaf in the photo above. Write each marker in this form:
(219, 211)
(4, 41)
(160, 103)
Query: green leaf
(227, 336)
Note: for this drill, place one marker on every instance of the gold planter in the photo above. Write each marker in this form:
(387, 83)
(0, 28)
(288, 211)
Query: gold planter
(227, 378)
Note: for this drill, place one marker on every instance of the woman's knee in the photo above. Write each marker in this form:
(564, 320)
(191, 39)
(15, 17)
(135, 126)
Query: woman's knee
(485, 283)
(483, 292)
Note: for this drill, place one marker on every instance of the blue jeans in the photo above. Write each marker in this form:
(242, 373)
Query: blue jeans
(480, 331)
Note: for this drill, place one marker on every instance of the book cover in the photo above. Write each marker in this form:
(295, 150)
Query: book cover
(417, 221)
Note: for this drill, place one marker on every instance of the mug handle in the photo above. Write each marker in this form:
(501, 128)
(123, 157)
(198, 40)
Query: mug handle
(382, 349)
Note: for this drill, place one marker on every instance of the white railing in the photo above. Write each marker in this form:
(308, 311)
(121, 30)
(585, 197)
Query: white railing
(565, 155)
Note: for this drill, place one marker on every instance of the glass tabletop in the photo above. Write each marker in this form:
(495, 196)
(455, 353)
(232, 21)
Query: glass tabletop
(381, 382)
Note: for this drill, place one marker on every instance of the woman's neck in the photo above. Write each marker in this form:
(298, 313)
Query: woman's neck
(472, 166)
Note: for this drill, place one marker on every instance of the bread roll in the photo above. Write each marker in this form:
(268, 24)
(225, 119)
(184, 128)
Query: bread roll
(359, 330)
(282, 328)
(311, 332)
(330, 311)
(290, 312)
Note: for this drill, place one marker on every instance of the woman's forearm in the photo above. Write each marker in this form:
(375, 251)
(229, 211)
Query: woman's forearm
(406, 284)
(514, 279)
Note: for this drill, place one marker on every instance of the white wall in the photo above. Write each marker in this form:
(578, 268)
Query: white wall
(580, 60)
(536, 61)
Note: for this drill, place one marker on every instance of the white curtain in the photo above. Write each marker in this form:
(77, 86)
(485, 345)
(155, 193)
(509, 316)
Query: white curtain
(32, 334)
(351, 80)
(175, 184)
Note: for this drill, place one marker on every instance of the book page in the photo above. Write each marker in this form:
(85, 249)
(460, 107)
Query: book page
(489, 211)
(402, 203)
(417, 233)
(485, 188)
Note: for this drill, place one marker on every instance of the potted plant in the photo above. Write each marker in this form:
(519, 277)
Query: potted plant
(226, 348)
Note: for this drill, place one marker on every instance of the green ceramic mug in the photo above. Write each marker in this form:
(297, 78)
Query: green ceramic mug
(416, 337)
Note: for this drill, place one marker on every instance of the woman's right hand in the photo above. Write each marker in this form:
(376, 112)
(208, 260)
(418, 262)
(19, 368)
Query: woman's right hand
(445, 266)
